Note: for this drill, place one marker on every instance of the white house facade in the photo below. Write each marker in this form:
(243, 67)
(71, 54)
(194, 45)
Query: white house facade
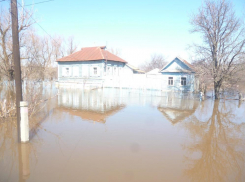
(94, 67)
(178, 75)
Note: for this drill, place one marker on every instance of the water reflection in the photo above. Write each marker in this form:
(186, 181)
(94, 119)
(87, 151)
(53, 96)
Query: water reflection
(218, 142)
(24, 161)
(99, 104)
(95, 105)
(176, 109)
(143, 139)
(13, 156)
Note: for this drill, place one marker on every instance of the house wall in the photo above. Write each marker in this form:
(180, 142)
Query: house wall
(78, 71)
(121, 76)
(177, 69)
(115, 69)
(127, 72)
(190, 80)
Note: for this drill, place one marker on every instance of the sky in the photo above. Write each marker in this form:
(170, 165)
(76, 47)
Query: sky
(138, 29)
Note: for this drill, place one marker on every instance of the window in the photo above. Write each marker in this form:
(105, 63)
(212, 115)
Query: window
(183, 80)
(115, 71)
(67, 71)
(108, 70)
(170, 81)
(95, 71)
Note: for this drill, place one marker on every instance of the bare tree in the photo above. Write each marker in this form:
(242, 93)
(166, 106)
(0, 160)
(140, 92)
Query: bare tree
(223, 36)
(6, 59)
(157, 61)
(72, 46)
(115, 51)
(41, 54)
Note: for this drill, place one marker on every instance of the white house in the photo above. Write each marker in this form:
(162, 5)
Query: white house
(93, 64)
(178, 75)
(95, 67)
(89, 62)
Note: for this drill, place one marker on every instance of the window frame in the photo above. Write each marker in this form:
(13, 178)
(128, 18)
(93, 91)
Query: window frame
(172, 81)
(184, 81)
(95, 69)
(114, 70)
(64, 72)
(67, 71)
(108, 70)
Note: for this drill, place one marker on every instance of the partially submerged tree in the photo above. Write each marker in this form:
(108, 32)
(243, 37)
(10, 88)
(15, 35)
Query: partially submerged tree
(6, 59)
(157, 61)
(41, 53)
(223, 36)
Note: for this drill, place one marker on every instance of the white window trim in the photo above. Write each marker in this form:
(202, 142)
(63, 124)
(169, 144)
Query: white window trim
(109, 70)
(114, 70)
(98, 71)
(66, 75)
(185, 80)
(173, 80)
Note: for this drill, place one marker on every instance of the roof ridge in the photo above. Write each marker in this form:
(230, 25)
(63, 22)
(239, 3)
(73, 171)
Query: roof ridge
(101, 53)
(182, 60)
(185, 62)
(92, 53)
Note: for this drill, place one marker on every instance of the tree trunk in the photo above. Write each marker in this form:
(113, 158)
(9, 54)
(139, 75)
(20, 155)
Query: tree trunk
(217, 86)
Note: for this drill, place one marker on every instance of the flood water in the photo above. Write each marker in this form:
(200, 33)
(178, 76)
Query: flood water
(123, 135)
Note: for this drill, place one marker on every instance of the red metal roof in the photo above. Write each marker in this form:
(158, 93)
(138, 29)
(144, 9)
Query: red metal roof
(187, 63)
(92, 54)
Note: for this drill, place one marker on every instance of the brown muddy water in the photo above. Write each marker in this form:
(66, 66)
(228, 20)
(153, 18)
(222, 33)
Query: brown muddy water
(115, 135)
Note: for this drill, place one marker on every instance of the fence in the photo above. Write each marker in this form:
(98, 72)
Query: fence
(135, 81)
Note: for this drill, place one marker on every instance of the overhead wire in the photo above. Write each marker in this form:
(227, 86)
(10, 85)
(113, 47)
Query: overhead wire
(39, 3)
(42, 27)
(33, 3)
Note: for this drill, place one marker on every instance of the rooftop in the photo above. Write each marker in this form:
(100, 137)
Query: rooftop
(92, 54)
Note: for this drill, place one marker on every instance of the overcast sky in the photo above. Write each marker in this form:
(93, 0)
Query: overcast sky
(137, 28)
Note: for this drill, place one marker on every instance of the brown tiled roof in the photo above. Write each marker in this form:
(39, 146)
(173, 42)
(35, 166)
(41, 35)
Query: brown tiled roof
(92, 54)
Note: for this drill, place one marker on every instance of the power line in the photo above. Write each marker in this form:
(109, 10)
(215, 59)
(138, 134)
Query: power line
(33, 3)
(42, 27)
(38, 23)
(37, 2)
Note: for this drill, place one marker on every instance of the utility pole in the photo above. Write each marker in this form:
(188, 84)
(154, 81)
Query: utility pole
(16, 56)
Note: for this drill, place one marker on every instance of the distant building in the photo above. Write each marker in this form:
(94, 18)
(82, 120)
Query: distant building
(93, 64)
(94, 67)
(178, 75)
(155, 73)
(134, 70)
(89, 62)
